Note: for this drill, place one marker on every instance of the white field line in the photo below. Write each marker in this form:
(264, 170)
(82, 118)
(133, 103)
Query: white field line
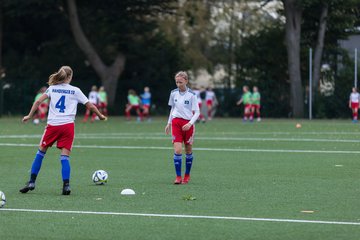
(137, 137)
(182, 216)
(196, 149)
(232, 133)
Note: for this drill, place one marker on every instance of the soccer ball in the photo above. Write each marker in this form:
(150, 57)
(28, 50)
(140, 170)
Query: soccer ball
(100, 177)
(36, 121)
(2, 199)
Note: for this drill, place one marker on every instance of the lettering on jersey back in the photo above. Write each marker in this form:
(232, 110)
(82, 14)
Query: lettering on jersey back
(64, 91)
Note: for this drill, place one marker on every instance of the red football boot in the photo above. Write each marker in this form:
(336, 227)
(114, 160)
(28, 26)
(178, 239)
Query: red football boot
(178, 180)
(186, 179)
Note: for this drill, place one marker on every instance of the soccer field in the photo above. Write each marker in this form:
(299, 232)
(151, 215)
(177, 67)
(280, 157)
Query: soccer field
(267, 180)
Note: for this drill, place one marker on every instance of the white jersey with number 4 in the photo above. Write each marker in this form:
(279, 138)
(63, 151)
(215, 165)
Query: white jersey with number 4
(183, 104)
(354, 97)
(64, 99)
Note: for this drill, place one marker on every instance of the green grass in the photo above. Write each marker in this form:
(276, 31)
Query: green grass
(227, 180)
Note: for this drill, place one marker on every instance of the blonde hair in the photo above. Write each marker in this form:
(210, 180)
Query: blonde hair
(62, 75)
(182, 74)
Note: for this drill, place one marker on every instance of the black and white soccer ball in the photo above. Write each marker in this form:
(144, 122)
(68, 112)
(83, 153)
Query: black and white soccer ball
(2, 199)
(100, 177)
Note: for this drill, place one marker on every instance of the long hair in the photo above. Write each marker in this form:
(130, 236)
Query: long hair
(182, 74)
(61, 76)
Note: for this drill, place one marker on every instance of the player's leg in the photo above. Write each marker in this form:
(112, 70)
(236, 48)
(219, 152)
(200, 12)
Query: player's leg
(139, 114)
(201, 116)
(93, 116)
(47, 140)
(355, 114)
(65, 143)
(87, 114)
(209, 106)
(148, 112)
(178, 161)
(65, 170)
(189, 161)
(105, 112)
(246, 113)
(189, 139)
(127, 111)
(43, 111)
(145, 111)
(35, 169)
(177, 136)
(251, 113)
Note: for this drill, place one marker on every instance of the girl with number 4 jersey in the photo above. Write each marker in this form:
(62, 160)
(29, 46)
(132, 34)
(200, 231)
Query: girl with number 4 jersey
(60, 124)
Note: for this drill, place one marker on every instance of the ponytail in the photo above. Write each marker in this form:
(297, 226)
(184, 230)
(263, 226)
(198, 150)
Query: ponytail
(61, 76)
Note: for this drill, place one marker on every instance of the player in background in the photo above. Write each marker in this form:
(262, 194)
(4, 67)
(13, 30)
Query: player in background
(256, 98)
(43, 107)
(354, 103)
(183, 114)
(103, 102)
(60, 123)
(197, 92)
(210, 102)
(94, 99)
(146, 103)
(246, 100)
(133, 103)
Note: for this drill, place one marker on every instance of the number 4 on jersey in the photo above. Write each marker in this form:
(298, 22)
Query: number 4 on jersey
(61, 104)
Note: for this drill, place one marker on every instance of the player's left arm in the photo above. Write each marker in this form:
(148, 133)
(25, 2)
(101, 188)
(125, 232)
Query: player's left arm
(196, 109)
(34, 107)
(94, 109)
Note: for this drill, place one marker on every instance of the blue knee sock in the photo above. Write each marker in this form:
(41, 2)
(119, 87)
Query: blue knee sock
(177, 163)
(36, 165)
(65, 171)
(189, 160)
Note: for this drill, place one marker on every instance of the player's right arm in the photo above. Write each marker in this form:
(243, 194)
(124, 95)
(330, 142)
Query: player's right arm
(168, 125)
(170, 103)
(34, 107)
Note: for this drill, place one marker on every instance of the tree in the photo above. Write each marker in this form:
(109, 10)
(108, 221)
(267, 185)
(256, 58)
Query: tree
(319, 45)
(109, 74)
(325, 22)
(293, 14)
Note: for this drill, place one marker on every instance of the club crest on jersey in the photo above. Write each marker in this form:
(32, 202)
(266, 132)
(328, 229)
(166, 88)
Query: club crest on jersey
(187, 102)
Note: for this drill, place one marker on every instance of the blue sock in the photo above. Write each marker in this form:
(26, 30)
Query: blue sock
(65, 171)
(189, 160)
(177, 163)
(36, 165)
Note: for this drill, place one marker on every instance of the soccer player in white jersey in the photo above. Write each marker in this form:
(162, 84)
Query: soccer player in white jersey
(183, 114)
(60, 123)
(210, 101)
(94, 99)
(197, 92)
(354, 104)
